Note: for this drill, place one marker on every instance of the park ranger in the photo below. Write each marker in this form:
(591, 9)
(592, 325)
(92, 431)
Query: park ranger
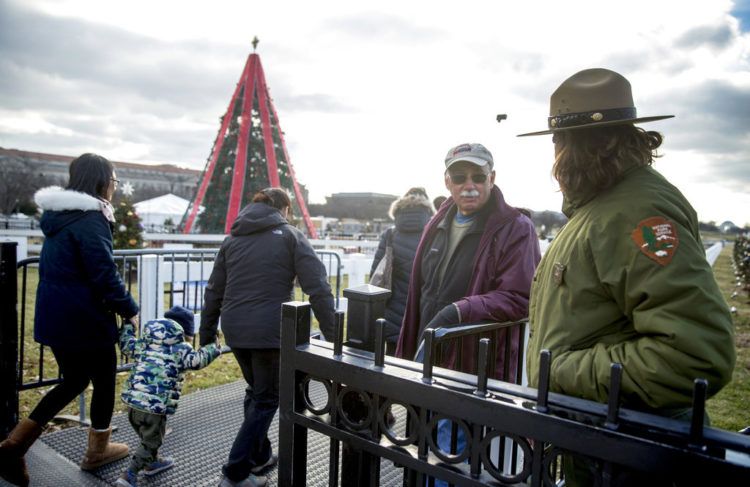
(626, 279)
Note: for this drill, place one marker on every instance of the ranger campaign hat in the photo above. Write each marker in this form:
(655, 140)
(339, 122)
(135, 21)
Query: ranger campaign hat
(474, 153)
(592, 98)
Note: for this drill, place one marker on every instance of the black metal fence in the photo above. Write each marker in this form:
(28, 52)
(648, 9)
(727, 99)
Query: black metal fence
(157, 278)
(537, 430)
(18, 223)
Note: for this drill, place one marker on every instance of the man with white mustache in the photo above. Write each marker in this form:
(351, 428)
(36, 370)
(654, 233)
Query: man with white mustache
(474, 263)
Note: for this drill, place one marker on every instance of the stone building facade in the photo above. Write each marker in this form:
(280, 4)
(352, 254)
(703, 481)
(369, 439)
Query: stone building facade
(148, 180)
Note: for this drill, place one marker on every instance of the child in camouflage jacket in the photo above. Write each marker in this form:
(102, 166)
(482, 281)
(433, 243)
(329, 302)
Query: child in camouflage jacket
(160, 357)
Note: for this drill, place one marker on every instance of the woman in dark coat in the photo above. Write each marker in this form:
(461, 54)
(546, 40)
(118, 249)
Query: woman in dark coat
(79, 294)
(253, 275)
(411, 213)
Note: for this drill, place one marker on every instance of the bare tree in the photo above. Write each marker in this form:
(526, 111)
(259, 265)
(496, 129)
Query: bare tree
(18, 182)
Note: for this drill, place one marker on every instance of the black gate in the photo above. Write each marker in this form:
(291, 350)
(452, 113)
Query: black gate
(535, 428)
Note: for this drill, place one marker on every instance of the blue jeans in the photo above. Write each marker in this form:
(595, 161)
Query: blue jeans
(444, 442)
(444, 426)
(251, 447)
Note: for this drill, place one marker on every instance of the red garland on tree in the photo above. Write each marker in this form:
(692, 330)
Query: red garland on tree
(249, 154)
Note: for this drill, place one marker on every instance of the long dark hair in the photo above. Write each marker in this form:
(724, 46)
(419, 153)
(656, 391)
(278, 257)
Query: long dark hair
(90, 174)
(595, 159)
(275, 197)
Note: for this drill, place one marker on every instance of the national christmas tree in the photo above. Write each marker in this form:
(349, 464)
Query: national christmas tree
(128, 232)
(249, 154)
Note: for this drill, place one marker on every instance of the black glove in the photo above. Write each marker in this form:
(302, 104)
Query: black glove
(208, 337)
(446, 318)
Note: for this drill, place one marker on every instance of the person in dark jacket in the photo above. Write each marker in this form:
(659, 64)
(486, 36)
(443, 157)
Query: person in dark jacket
(253, 275)
(79, 295)
(411, 213)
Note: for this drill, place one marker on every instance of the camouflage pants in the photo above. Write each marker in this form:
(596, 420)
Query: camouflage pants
(150, 429)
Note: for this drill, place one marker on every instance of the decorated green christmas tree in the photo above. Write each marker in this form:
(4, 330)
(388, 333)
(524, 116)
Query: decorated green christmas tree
(249, 154)
(128, 232)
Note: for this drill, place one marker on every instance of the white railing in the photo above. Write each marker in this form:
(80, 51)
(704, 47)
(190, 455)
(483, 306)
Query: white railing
(346, 248)
(712, 253)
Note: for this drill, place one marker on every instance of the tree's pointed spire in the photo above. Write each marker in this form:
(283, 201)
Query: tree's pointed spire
(249, 154)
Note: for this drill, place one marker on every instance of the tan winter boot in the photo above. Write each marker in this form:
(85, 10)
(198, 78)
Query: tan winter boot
(101, 451)
(13, 448)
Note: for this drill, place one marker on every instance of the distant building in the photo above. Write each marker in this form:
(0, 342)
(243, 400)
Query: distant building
(147, 180)
(729, 227)
(360, 206)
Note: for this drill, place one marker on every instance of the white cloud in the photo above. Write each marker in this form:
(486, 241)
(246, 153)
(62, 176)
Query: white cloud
(371, 97)
(16, 122)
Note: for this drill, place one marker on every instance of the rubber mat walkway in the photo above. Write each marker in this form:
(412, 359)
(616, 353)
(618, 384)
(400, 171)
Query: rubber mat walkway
(199, 437)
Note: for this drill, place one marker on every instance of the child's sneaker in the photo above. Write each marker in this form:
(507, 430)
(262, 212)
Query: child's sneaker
(160, 465)
(269, 463)
(127, 479)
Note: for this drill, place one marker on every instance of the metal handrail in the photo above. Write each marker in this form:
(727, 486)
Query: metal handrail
(129, 261)
(463, 329)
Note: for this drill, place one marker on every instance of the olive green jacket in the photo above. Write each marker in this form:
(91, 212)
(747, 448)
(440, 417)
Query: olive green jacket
(627, 281)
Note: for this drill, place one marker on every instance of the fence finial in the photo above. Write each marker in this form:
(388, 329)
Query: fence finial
(484, 346)
(379, 342)
(700, 386)
(429, 352)
(613, 406)
(545, 360)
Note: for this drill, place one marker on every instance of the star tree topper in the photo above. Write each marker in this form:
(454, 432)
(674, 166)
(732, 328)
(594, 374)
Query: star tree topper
(127, 189)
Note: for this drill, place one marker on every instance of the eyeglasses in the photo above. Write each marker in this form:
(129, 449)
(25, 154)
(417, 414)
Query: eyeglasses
(116, 181)
(477, 178)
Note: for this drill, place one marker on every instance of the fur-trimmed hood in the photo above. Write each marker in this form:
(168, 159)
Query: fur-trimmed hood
(56, 198)
(63, 207)
(410, 201)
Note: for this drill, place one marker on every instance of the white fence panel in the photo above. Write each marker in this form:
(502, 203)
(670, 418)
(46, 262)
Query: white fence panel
(712, 253)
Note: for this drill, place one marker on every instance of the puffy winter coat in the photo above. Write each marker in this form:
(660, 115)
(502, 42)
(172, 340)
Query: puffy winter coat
(411, 213)
(161, 357)
(627, 281)
(253, 276)
(80, 291)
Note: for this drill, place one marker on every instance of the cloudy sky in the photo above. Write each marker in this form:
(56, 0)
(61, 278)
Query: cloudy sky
(372, 94)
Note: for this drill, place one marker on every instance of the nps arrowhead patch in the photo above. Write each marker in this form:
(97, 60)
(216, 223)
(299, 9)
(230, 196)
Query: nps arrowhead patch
(657, 238)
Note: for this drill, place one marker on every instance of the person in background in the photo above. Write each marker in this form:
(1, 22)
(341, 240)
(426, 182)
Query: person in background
(410, 213)
(78, 299)
(438, 202)
(161, 356)
(253, 276)
(626, 280)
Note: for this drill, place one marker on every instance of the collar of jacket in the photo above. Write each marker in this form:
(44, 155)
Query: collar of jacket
(55, 198)
(478, 222)
(572, 202)
(499, 214)
(499, 211)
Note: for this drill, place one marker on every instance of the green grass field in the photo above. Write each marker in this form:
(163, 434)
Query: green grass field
(728, 409)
